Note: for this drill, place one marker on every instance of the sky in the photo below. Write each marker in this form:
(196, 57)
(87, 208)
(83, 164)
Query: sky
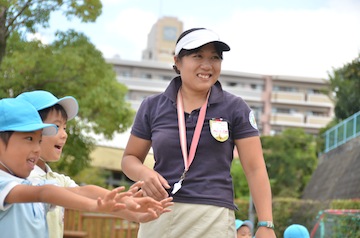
(308, 38)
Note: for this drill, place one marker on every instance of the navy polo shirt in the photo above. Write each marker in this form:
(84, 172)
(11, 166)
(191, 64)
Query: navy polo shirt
(208, 180)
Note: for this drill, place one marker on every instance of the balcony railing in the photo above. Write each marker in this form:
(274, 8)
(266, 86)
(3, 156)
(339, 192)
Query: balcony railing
(342, 132)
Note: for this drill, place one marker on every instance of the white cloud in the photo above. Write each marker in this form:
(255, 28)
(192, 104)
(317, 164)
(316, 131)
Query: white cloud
(303, 43)
(37, 36)
(127, 33)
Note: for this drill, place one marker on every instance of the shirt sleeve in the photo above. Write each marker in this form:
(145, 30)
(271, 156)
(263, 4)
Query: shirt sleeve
(5, 188)
(141, 127)
(244, 121)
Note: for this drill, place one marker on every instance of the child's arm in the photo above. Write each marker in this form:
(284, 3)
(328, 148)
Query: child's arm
(132, 198)
(63, 197)
(93, 191)
(143, 217)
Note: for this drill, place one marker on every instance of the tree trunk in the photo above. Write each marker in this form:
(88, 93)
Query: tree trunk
(3, 32)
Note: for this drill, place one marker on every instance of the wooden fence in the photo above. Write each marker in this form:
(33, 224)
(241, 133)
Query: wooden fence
(97, 225)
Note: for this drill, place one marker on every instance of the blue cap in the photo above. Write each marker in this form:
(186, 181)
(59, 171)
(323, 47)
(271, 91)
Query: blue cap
(296, 231)
(240, 223)
(19, 115)
(43, 99)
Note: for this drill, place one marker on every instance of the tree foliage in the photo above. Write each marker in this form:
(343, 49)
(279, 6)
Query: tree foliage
(290, 159)
(71, 65)
(27, 15)
(241, 188)
(345, 83)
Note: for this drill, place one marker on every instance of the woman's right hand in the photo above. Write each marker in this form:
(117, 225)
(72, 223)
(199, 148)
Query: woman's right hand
(154, 185)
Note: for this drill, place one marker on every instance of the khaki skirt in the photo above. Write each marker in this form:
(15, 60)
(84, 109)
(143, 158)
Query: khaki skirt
(191, 221)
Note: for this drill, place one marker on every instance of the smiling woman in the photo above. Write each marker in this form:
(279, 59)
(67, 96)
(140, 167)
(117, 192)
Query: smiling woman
(194, 111)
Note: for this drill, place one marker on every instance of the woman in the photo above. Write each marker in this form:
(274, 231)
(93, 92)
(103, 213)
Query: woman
(193, 127)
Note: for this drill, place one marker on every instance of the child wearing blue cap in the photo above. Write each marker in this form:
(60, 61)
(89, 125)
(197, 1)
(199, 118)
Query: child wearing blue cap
(243, 228)
(59, 111)
(296, 231)
(23, 207)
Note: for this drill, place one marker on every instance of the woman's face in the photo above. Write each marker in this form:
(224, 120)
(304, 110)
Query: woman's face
(200, 70)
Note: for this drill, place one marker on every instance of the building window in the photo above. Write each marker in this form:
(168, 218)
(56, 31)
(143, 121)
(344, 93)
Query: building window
(284, 89)
(314, 91)
(146, 76)
(169, 33)
(316, 113)
(281, 110)
(125, 74)
(165, 77)
(231, 84)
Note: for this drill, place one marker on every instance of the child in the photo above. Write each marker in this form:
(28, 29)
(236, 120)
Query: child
(58, 112)
(23, 207)
(243, 228)
(296, 231)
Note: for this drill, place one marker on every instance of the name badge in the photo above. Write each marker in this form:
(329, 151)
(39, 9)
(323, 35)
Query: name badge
(219, 129)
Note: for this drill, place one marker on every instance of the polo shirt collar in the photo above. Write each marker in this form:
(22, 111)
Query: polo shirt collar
(171, 91)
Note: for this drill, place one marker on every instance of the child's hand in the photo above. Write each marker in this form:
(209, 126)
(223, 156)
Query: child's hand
(153, 214)
(109, 202)
(121, 196)
(141, 204)
(134, 200)
(135, 189)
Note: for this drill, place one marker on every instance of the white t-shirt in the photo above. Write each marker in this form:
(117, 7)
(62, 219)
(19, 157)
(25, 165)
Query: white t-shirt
(55, 217)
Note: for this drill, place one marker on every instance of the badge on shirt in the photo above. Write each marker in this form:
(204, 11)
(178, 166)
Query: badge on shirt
(219, 129)
(252, 120)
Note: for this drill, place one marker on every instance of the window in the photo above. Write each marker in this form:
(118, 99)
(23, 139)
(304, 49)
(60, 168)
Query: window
(125, 74)
(146, 76)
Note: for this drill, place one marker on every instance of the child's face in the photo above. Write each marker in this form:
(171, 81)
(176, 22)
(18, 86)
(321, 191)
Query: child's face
(22, 152)
(52, 146)
(244, 232)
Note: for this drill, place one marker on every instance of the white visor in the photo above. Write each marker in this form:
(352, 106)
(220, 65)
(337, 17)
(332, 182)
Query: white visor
(198, 38)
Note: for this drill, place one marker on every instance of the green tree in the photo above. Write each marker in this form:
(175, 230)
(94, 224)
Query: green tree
(290, 159)
(345, 85)
(27, 15)
(241, 187)
(71, 65)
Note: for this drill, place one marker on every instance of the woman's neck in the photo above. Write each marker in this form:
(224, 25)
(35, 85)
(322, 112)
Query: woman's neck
(192, 100)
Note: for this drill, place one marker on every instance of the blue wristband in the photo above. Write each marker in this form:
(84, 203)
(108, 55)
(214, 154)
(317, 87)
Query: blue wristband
(268, 224)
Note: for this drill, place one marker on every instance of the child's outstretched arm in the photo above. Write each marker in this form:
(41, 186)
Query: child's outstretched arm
(149, 215)
(63, 197)
(132, 198)
(94, 191)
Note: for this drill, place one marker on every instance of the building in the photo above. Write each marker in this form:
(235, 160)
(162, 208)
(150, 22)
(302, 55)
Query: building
(162, 39)
(279, 102)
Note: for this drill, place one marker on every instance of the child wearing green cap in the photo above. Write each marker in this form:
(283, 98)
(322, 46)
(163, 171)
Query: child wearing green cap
(58, 111)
